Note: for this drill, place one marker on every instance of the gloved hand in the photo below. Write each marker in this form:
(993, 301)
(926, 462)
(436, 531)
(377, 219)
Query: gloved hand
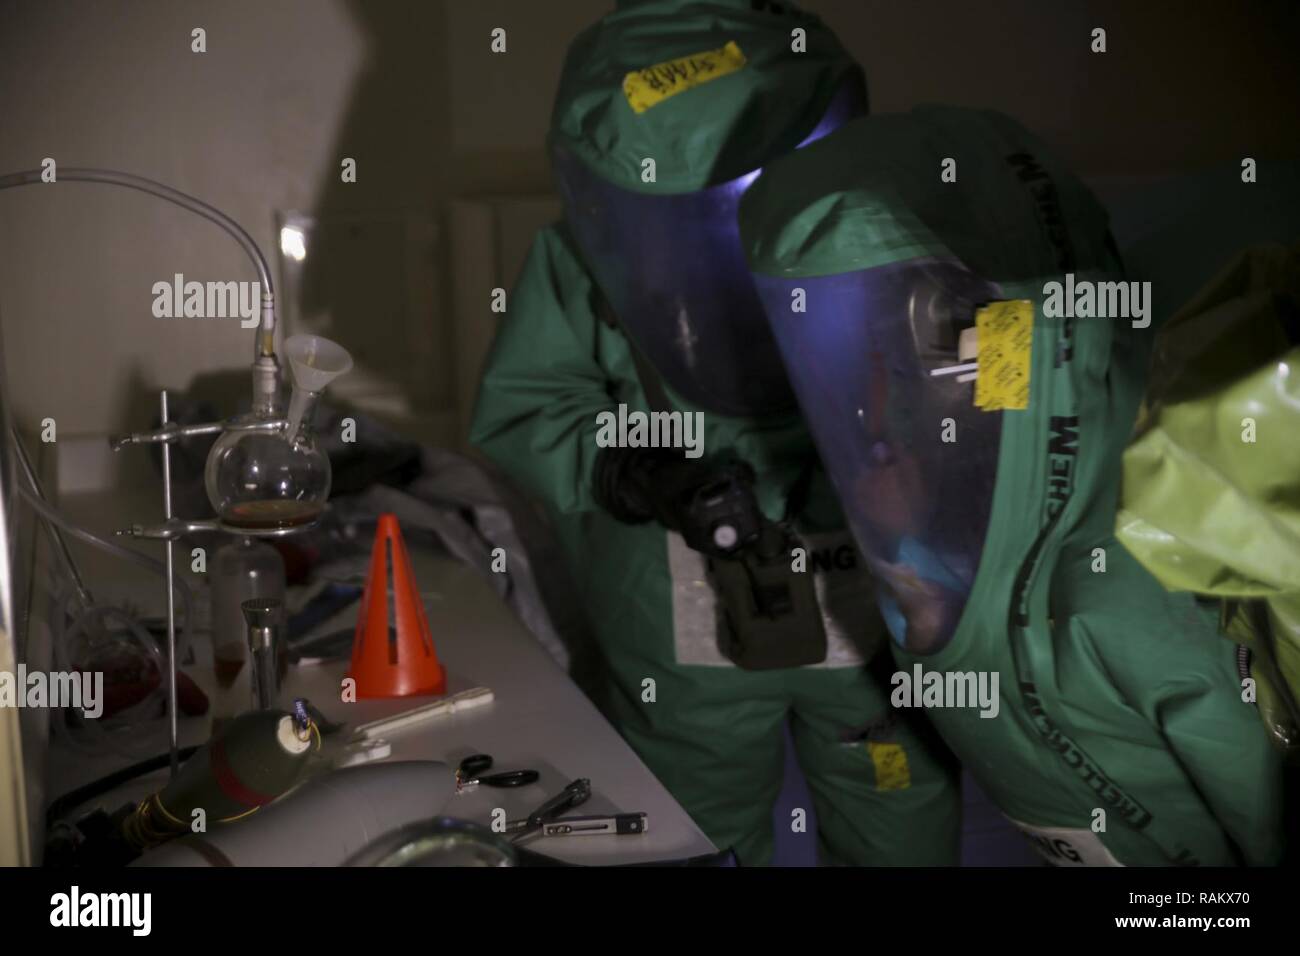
(708, 501)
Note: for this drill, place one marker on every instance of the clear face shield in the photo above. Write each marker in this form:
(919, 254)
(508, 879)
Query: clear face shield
(913, 460)
(673, 271)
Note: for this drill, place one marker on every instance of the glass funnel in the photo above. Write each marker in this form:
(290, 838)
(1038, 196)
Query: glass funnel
(266, 474)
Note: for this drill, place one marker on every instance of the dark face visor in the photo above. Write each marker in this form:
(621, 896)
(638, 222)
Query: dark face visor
(674, 273)
(913, 461)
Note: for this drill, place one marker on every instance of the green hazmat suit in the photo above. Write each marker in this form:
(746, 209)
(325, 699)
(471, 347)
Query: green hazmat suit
(1121, 735)
(665, 111)
(883, 791)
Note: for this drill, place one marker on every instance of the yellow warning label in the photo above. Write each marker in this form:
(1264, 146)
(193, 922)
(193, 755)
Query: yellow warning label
(1006, 339)
(892, 771)
(654, 84)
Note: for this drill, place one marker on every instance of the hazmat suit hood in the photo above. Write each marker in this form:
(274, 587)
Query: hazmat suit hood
(667, 110)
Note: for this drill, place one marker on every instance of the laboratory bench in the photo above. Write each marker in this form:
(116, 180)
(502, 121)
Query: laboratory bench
(538, 718)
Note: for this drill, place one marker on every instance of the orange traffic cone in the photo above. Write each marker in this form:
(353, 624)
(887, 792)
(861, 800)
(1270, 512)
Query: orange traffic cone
(402, 663)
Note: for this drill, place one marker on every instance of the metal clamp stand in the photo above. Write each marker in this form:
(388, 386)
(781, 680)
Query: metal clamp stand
(172, 727)
(171, 529)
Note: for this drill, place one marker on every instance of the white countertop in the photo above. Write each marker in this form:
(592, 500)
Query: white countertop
(539, 719)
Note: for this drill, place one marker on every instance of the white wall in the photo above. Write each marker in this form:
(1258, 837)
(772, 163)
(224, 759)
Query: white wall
(411, 89)
(246, 126)
(257, 123)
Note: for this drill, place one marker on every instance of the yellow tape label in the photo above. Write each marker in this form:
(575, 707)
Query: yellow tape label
(892, 771)
(1006, 339)
(654, 84)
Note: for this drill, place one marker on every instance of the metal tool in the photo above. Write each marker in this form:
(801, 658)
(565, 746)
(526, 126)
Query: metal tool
(265, 620)
(619, 824)
(468, 775)
(575, 794)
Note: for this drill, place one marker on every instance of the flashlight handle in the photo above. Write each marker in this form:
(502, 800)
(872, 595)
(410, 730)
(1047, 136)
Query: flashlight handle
(619, 824)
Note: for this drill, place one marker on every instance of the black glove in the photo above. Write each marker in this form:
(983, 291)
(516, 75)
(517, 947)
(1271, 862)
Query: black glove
(708, 501)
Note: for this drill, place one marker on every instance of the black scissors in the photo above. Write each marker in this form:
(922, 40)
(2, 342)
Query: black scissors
(467, 775)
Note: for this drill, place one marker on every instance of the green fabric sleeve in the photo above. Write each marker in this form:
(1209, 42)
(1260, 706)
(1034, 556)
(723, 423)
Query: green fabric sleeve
(1153, 645)
(544, 384)
(1239, 784)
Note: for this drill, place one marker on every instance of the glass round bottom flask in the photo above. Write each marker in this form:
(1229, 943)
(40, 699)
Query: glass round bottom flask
(265, 473)
(260, 480)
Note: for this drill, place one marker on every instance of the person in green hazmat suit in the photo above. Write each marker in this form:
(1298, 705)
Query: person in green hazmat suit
(721, 582)
(970, 359)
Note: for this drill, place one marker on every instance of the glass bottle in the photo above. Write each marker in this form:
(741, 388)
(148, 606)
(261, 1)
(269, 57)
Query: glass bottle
(241, 571)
